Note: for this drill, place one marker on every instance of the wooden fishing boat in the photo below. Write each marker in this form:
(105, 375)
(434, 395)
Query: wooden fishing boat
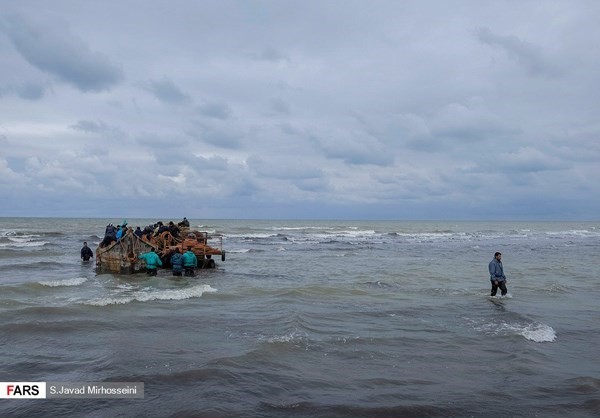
(121, 257)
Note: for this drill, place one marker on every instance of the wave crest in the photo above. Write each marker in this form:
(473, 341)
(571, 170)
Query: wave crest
(148, 296)
(66, 282)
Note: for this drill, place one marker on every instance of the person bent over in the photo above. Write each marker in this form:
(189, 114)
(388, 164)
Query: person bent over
(177, 262)
(152, 261)
(209, 263)
(190, 262)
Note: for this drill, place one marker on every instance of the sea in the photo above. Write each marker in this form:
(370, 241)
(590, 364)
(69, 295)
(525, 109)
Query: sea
(310, 318)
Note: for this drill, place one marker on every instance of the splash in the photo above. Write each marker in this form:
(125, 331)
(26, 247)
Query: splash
(539, 333)
(536, 332)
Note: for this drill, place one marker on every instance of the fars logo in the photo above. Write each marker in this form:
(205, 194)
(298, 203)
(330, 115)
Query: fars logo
(22, 390)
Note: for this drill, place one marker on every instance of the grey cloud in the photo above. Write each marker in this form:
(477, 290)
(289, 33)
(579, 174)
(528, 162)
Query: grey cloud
(526, 54)
(270, 54)
(159, 143)
(353, 148)
(218, 135)
(215, 110)
(28, 90)
(283, 168)
(530, 160)
(99, 127)
(63, 55)
(215, 162)
(280, 106)
(166, 91)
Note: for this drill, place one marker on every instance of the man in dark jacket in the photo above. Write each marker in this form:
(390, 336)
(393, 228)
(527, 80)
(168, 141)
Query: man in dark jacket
(177, 262)
(86, 252)
(497, 276)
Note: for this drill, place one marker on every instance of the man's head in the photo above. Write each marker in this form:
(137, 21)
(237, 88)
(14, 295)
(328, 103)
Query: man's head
(84, 244)
(498, 255)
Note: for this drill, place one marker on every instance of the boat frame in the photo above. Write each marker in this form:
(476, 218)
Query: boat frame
(121, 256)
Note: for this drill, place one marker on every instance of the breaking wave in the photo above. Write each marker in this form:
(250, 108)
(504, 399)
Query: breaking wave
(152, 295)
(66, 282)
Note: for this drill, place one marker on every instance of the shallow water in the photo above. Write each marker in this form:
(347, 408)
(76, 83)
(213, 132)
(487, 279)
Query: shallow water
(312, 318)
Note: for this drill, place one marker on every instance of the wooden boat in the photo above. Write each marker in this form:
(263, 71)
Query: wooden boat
(121, 257)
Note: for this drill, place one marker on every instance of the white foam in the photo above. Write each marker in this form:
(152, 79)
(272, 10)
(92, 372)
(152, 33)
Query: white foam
(23, 243)
(539, 333)
(536, 332)
(298, 228)
(66, 282)
(151, 295)
(286, 338)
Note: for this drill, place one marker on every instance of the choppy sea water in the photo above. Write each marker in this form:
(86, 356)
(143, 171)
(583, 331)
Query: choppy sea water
(311, 318)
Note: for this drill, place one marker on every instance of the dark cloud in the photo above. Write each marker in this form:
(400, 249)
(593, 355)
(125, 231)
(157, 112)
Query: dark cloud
(270, 54)
(218, 135)
(63, 55)
(526, 54)
(166, 91)
(215, 110)
(281, 106)
(354, 147)
(93, 127)
(283, 167)
(28, 90)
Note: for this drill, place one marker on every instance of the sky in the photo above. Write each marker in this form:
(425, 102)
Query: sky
(336, 109)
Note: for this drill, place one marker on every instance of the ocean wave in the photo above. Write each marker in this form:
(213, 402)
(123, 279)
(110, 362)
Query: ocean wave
(299, 228)
(66, 282)
(22, 243)
(293, 337)
(573, 233)
(148, 296)
(558, 288)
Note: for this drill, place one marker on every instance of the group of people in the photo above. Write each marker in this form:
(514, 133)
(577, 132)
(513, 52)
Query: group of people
(181, 264)
(115, 233)
(159, 227)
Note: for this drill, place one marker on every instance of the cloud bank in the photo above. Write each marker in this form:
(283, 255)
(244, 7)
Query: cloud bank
(385, 110)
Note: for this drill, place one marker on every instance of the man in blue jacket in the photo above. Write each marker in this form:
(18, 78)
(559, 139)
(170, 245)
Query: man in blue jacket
(152, 262)
(177, 262)
(189, 262)
(497, 276)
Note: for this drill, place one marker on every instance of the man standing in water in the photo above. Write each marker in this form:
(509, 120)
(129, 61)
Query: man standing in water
(497, 276)
(86, 252)
(190, 262)
(152, 260)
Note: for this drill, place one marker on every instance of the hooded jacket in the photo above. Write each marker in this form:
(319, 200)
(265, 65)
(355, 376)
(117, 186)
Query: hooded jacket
(152, 260)
(189, 259)
(177, 262)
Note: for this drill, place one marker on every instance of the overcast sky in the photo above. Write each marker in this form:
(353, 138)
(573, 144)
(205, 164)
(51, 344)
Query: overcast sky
(300, 109)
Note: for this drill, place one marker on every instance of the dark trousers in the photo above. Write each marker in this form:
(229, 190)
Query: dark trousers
(501, 285)
(176, 273)
(189, 272)
(151, 272)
